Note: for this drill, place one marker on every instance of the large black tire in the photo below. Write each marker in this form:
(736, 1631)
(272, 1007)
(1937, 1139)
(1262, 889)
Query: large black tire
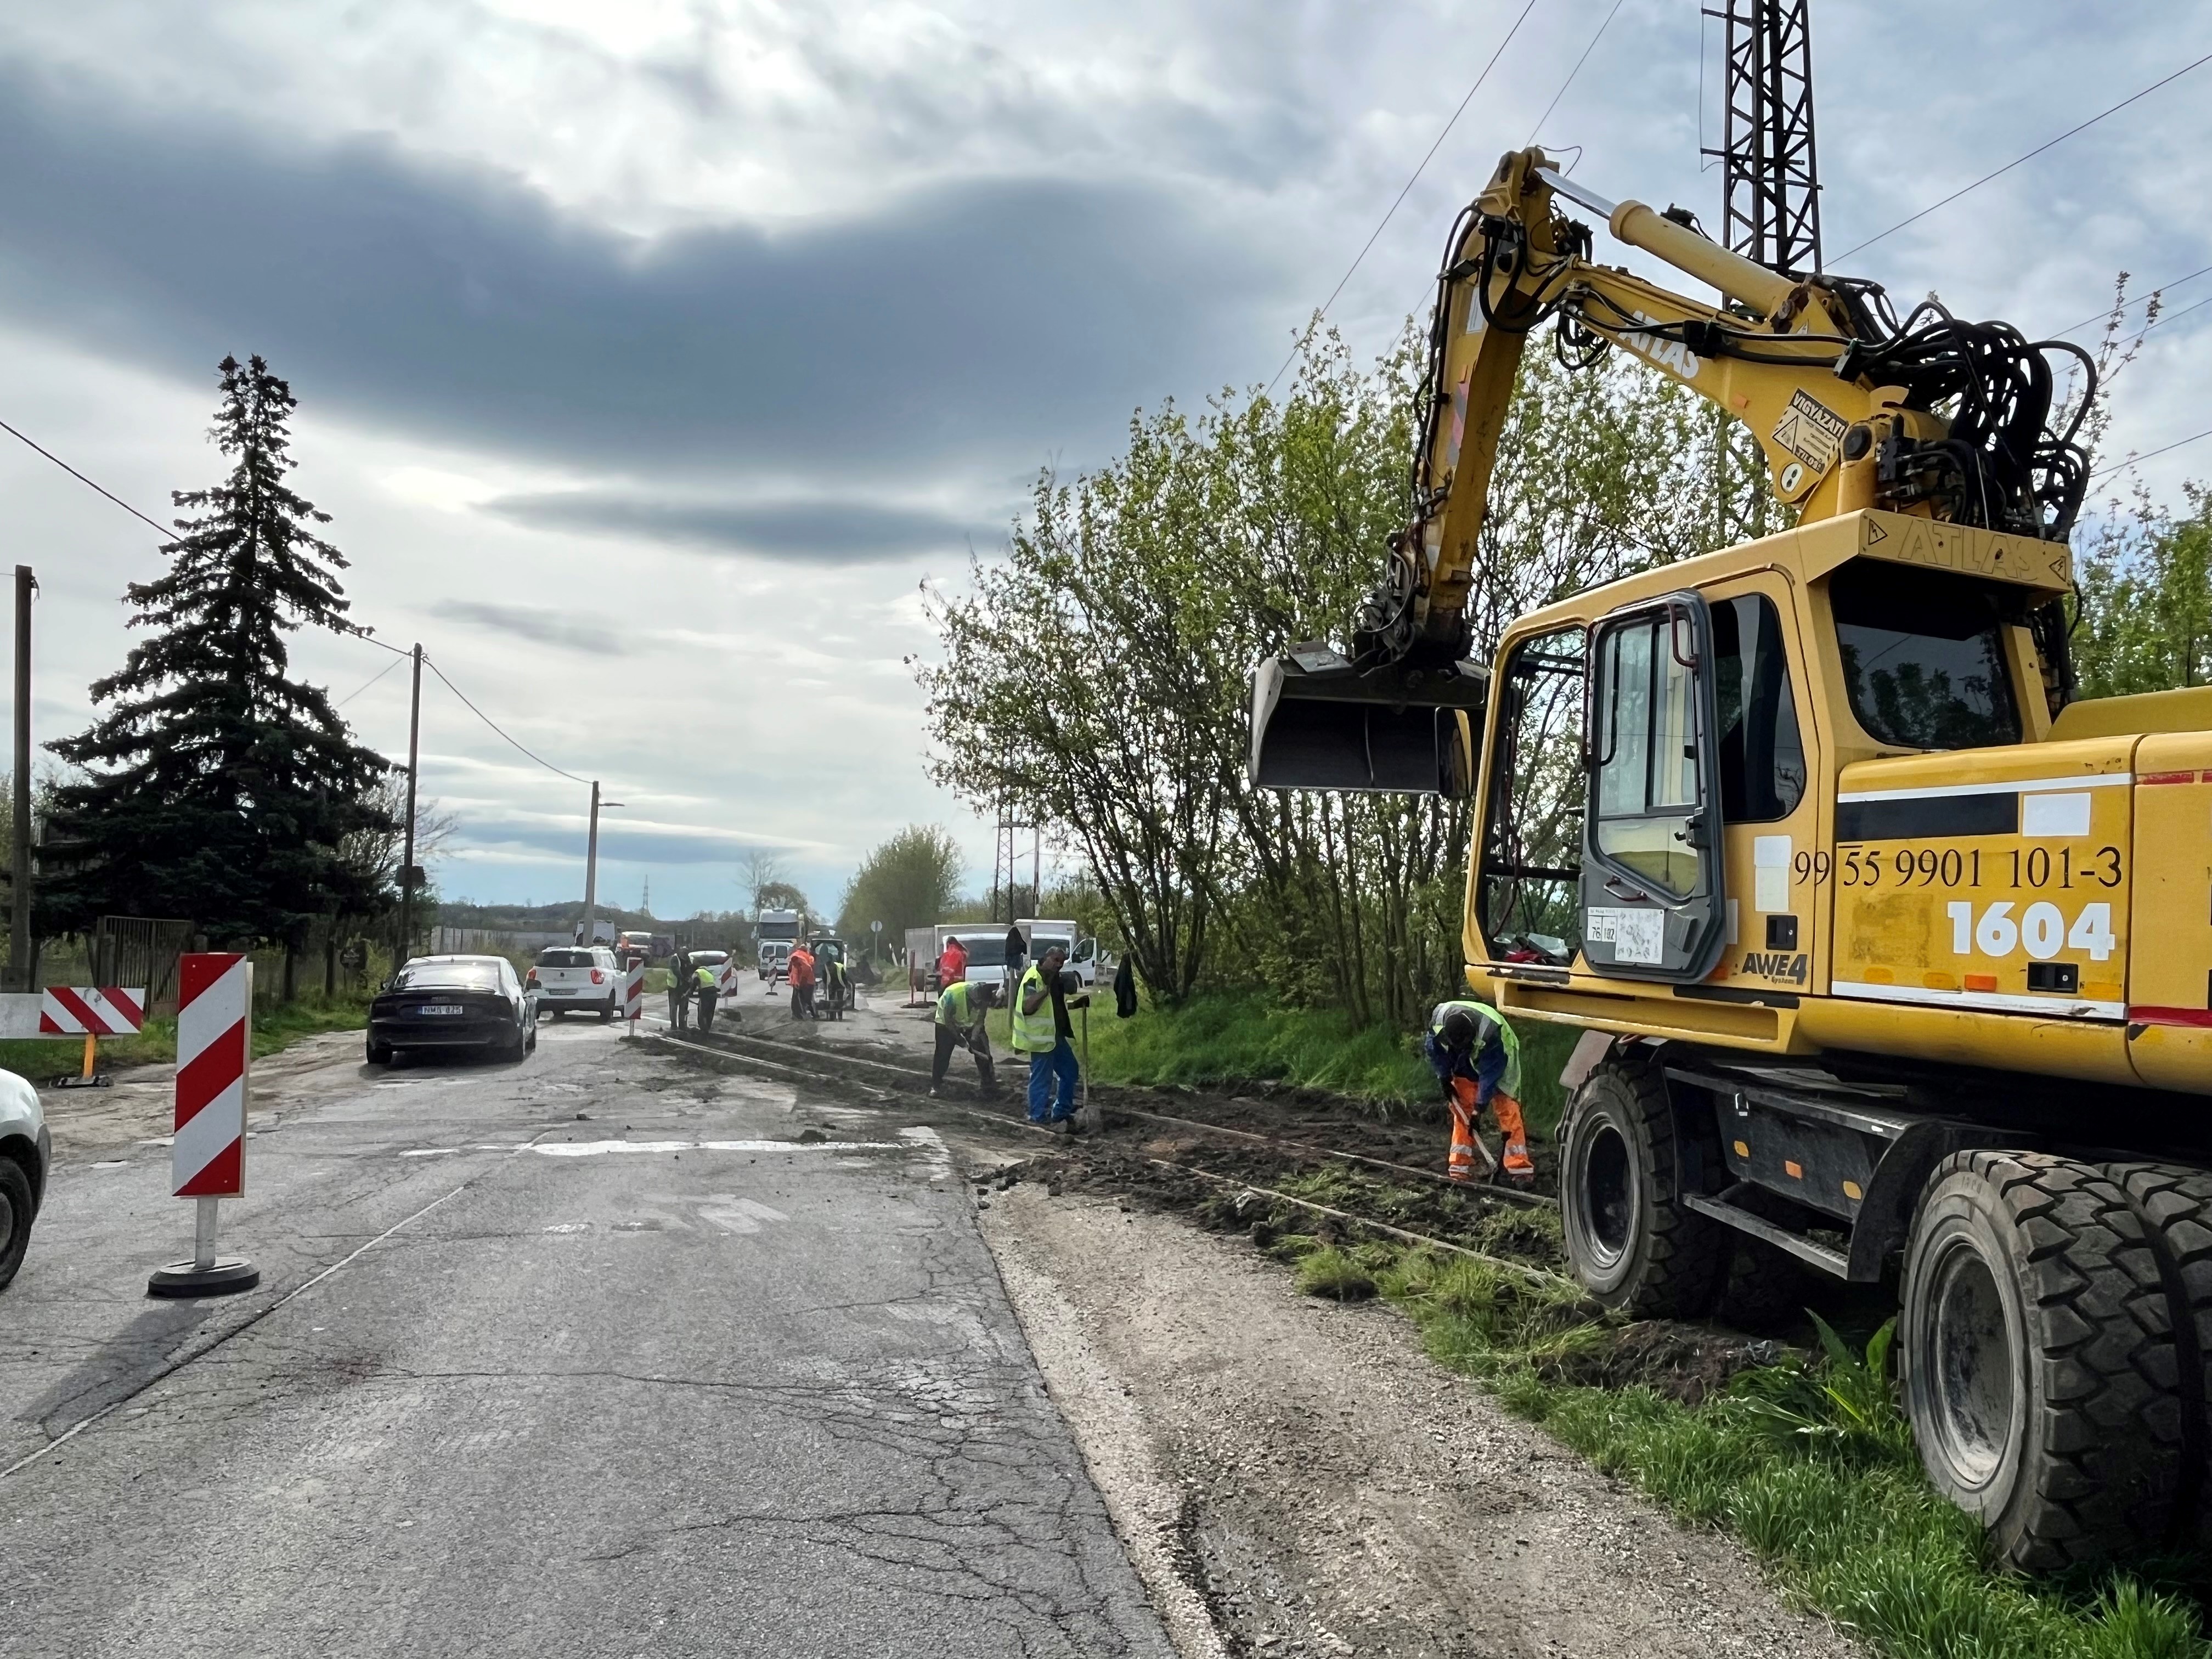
(17, 1209)
(608, 1013)
(2037, 1357)
(1632, 1242)
(379, 1053)
(2174, 1204)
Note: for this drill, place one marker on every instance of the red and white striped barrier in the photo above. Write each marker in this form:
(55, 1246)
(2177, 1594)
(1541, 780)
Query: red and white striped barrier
(92, 1010)
(725, 980)
(215, 1011)
(633, 993)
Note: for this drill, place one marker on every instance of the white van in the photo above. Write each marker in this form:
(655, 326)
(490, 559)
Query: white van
(1083, 954)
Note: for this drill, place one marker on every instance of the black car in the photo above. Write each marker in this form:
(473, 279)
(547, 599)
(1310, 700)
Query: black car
(453, 1002)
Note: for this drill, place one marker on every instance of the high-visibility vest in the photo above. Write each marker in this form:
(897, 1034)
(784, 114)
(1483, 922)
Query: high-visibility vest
(953, 1009)
(1485, 1016)
(706, 979)
(1033, 1034)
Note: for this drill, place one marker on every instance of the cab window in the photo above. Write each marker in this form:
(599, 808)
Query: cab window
(1647, 753)
(1938, 682)
(1762, 752)
(1532, 840)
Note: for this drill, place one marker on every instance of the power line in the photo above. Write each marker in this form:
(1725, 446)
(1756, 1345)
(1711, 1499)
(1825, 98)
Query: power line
(1576, 70)
(2030, 156)
(2133, 460)
(497, 726)
(372, 680)
(2163, 288)
(170, 533)
(1322, 310)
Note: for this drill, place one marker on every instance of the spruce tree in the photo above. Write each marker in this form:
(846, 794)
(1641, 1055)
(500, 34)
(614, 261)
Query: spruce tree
(217, 788)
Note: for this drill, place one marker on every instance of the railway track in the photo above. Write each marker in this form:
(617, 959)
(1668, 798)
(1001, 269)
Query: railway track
(728, 1049)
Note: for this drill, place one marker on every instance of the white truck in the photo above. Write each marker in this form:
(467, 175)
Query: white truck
(777, 932)
(1083, 956)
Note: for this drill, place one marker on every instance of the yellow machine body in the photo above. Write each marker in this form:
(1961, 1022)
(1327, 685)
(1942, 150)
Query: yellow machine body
(2043, 906)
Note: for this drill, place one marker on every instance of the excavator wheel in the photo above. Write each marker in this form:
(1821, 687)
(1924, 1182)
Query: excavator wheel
(1632, 1242)
(2036, 1359)
(2174, 1204)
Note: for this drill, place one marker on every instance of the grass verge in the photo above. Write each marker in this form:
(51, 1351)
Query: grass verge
(42, 1059)
(1809, 1461)
(1229, 1037)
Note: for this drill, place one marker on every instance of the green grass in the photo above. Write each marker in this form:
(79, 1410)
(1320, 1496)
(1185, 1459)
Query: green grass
(1228, 1037)
(274, 1029)
(1809, 1462)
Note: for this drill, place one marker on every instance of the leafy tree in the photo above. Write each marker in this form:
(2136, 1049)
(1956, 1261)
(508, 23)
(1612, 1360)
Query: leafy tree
(216, 787)
(910, 881)
(2146, 599)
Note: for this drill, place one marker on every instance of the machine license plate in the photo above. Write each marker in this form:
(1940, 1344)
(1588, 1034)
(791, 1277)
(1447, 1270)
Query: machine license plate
(562, 990)
(442, 1008)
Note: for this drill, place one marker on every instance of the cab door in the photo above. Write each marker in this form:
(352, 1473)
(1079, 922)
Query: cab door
(1652, 905)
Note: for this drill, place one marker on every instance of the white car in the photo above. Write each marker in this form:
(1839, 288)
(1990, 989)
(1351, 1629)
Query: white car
(25, 1152)
(584, 978)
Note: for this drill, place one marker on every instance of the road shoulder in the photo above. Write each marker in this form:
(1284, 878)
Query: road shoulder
(1292, 1475)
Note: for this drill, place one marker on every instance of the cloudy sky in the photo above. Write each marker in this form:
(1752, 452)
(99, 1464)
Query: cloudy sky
(652, 354)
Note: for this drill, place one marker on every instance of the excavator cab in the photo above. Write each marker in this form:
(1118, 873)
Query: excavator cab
(1319, 723)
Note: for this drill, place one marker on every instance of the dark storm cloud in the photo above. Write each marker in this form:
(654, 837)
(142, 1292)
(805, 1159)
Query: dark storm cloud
(953, 323)
(538, 625)
(839, 532)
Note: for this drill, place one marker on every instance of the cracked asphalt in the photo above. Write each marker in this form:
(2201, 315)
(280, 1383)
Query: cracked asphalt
(587, 1355)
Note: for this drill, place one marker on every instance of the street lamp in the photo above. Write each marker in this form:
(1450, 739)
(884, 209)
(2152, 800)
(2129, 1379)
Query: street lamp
(592, 867)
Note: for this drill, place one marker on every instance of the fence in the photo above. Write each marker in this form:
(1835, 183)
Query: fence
(141, 950)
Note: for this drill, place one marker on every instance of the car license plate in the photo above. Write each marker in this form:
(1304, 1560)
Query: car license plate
(562, 990)
(442, 1008)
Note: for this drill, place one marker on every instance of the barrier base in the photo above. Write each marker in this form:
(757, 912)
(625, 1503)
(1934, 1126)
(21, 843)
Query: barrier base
(229, 1275)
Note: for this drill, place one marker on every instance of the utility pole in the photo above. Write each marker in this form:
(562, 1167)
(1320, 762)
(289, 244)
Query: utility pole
(1769, 206)
(1770, 176)
(407, 871)
(592, 871)
(19, 918)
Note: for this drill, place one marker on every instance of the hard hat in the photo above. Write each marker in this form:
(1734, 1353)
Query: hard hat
(1458, 1030)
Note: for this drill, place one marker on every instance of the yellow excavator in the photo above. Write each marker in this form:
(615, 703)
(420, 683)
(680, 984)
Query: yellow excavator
(1893, 959)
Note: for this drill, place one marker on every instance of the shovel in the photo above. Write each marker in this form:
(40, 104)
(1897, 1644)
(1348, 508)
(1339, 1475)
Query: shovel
(1087, 1116)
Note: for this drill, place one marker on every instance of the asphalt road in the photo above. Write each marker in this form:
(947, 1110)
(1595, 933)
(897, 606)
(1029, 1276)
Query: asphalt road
(587, 1355)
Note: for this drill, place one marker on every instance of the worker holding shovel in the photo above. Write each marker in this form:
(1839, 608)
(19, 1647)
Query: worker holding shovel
(1477, 1058)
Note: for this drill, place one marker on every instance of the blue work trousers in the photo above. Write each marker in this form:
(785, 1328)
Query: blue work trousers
(1043, 1069)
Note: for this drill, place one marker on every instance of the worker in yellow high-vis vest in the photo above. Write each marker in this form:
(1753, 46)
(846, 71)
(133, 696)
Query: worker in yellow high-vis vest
(1042, 1031)
(959, 1022)
(1477, 1057)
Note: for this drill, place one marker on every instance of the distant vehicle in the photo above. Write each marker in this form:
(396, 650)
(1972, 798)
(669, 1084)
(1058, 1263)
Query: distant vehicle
(583, 977)
(633, 948)
(1083, 954)
(775, 929)
(453, 1002)
(26, 1153)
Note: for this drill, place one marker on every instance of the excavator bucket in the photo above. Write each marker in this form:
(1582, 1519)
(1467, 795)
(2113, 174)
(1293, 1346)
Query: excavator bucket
(1319, 723)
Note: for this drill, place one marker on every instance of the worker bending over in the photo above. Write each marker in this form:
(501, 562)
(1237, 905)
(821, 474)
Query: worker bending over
(1477, 1058)
(708, 991)
(959, 1020)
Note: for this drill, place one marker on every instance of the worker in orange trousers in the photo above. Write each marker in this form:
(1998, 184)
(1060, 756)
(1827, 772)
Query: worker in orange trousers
(1477, 1058)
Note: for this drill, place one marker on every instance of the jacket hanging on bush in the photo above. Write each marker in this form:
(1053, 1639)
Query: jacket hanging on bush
(1125, 990)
